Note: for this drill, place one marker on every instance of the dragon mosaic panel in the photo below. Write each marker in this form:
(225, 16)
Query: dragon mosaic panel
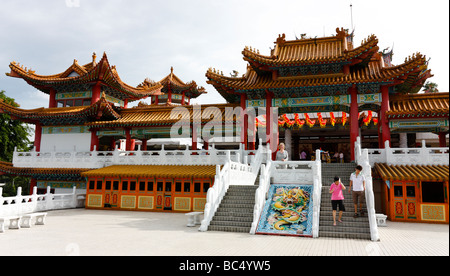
(288, 211)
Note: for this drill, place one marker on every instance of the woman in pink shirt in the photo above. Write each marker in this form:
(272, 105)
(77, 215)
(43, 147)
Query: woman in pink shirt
(337, 198)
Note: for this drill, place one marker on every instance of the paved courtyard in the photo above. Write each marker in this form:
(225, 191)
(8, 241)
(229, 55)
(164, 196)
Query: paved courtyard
(98, 232)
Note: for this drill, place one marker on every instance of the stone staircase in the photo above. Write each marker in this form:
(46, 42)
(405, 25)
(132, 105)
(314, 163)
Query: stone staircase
(353, 228)
(235, 213)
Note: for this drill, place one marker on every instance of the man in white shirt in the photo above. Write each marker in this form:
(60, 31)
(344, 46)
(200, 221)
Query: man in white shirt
(358, 183)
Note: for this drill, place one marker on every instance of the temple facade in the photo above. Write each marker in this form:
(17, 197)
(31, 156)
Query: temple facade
(314, 93)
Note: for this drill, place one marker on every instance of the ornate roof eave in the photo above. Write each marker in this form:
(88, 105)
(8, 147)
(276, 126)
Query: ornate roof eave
(161, 115)
(100, 109)
(98, 72)
(426, 105)
(354, 56)
(412, 172)
(53, 173)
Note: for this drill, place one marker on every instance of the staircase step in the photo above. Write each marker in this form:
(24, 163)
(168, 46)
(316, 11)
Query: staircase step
(233, 218)
(352, 228)
(345, 235)
(235, 213)
(237, 205)
(229, 228)
(231, 223)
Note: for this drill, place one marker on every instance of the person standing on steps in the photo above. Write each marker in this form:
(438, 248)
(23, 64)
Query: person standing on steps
(358, 182)
(282, 155)
(337, 198)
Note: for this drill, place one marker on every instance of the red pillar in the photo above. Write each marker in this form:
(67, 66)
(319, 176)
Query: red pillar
(128, 140)
(144, 144)
(194, 137)
(384, 124)
(354, 123)
(37, 137)
(33, 183)
(270, 136)
(52, 102)
(125, 103)
(182, 99)
(442, 140)
(244, 122)
(96, 92)
(94, 139)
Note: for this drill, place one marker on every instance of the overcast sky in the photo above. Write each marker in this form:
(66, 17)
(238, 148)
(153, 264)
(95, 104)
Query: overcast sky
(145, 38)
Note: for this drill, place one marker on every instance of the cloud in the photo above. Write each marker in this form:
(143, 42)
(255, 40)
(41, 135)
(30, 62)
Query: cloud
(145, 38)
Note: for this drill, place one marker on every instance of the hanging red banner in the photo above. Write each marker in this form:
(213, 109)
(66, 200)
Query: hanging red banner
(367, 119)
(288, 122)
(344, 118)
(322, 122)
(299, 122)
(310, 122)
(332, 118)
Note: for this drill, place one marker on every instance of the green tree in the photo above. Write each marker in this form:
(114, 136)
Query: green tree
(13, 133)
(430, 87)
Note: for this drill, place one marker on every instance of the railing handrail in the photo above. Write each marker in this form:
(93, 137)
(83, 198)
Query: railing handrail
(19, 204)
(99, 159)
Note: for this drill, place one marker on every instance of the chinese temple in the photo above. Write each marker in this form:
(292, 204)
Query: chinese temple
(330, 91)
(327, 93)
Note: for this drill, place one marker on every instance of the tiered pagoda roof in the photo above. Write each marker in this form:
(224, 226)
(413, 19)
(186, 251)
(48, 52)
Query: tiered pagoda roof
(78, 115)
(334, 49)
(175, 85)
(316, 67)
(81, 77)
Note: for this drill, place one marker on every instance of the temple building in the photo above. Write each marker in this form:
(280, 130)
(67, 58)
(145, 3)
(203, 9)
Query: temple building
(330, 91)
(88, 112)
(331, 96)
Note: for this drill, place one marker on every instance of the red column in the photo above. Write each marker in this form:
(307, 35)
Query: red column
(270, 136)
(354, 123)
(442, 140)
(128, 141)
(94, 139)
(52, 102)
(37, 137)
(244, 122)
(182, 99)
(194, 137)
(33, 183)
(144, 144)
(96, 92)
(384, 124)
(125, 103)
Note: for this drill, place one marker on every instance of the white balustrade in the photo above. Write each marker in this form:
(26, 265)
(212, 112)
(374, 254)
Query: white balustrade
(409, 156)
(99, 159)
(362, 159)
(19, 204)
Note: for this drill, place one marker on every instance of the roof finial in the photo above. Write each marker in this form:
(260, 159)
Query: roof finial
(171, 69)
(94, 57)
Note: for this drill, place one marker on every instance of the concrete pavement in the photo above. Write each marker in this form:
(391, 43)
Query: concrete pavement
(100, 232)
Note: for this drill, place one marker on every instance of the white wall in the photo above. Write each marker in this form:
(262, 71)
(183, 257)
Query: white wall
(66, 142)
